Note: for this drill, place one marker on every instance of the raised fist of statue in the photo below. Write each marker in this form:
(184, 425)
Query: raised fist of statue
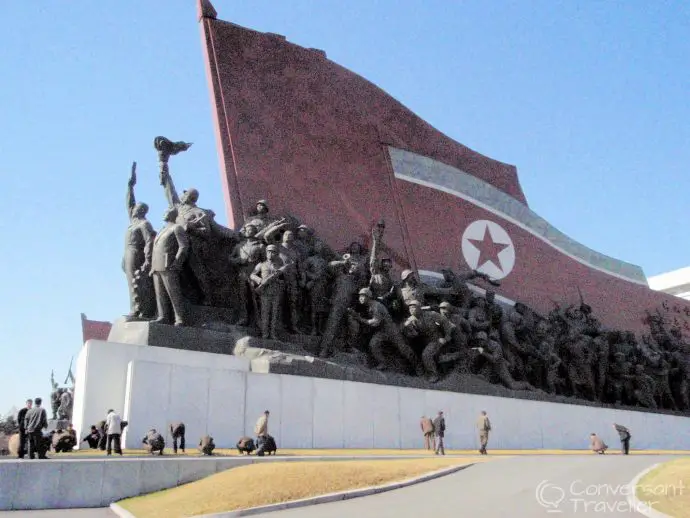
(133, 177)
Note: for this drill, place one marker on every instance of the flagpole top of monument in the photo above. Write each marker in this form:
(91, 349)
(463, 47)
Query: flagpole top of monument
(205, 9)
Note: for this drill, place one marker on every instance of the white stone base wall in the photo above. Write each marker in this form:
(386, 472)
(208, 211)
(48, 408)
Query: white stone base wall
(218, 395)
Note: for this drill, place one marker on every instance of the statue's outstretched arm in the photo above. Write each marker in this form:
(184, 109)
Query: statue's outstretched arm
(169, 187)
(131, 200)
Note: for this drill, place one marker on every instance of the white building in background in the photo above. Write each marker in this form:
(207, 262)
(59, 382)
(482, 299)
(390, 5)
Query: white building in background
(675, 283)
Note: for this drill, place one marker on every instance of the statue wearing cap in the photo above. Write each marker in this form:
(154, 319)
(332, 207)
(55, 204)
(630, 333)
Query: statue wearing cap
(268, 278)
(461, 334)
(433, 330)
(384, 332)
(245, 256)
(351, 275)
(411, 288)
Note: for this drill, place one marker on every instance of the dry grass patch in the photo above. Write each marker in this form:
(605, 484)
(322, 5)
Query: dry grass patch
(667, 488)
(269, 483)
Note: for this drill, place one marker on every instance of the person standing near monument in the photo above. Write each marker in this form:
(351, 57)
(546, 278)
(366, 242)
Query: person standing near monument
(35, 421)
(169, 252)
(113, 429)
(261, 431)
(484, 427)
(624, 435)
(440, 432)
(136, 261)
(21, 415)
(427, 426)
(177, 430)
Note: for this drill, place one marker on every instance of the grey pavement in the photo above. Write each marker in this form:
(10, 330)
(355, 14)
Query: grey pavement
(568, 485)
(104, 512)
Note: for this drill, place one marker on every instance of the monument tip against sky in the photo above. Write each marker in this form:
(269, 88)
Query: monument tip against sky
(329, 147)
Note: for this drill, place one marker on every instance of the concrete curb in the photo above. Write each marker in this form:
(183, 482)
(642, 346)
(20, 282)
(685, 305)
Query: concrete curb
(321, 499)
(638, 505)
(121, 511)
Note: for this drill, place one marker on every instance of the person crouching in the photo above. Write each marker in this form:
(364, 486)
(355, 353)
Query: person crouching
(153, 442)
(596, 444)
(246, 445)
(206, 445)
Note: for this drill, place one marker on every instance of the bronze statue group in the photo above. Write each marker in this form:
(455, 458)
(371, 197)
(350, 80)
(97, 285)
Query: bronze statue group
(280, 281)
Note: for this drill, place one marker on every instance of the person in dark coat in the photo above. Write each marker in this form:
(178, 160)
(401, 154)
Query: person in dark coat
(103, 435)
(440, 432)
(177, 430)
(624, 435)
(22, 428)
(246, 445)
(154, 442)
(93, 438)
(35, 421)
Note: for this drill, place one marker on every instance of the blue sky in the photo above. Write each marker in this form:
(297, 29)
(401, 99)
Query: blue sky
(588, 99)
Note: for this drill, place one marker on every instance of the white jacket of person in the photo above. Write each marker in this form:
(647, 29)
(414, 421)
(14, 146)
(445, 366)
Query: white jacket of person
(113, 424)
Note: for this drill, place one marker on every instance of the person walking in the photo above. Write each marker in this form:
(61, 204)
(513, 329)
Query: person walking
(624, 435)
(113, 429)
(440, 432)
(427, 426)
(35, 421)
(484, 427)
(21, 451)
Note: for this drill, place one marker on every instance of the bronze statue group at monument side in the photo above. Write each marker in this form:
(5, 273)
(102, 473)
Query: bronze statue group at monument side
(278, 280)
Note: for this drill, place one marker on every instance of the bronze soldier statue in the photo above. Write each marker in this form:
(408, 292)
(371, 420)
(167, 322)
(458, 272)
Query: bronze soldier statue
(489, 348)
(434, 330)
(170, 249)
(290, 254)
(461, 335)
(245, 256)
(201, 228)
(137, 257)
(351, 275)
(268, 278)
(384, 331)
(381, 284)
(316, 285)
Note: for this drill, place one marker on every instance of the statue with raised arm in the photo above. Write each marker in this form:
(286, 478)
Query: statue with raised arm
(198, 223)
(136, 261)
(380, 283)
